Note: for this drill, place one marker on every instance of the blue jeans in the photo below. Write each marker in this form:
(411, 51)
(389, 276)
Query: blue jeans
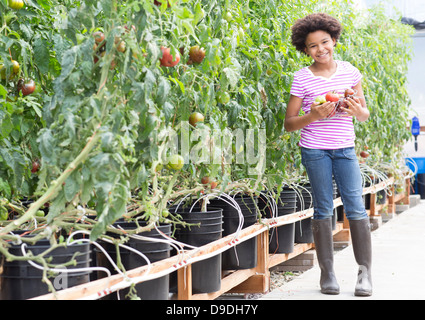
(343, 165)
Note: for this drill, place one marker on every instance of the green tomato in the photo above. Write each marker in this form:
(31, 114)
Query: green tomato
(39, 213)
(224, 97)
(2, 71)
(176, 162)
(228, 16)
(320, 99)
(16, 4)
(13, 71)
(196, 117)
(16, 67)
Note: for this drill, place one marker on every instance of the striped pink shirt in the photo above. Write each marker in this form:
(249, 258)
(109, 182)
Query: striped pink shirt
(333, 133)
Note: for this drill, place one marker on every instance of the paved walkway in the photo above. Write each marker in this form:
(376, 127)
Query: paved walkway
(398, 264)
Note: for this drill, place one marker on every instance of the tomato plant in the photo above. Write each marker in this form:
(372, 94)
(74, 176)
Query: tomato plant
(115, 80)
(26, 52)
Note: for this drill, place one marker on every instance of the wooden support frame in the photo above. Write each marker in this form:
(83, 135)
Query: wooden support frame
(259, 282)
(255, 280)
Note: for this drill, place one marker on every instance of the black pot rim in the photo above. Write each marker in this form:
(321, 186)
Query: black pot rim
(209, 211)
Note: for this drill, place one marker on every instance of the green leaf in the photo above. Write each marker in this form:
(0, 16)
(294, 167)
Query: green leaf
(168, 110)
(233, 114)
(57, 206)
(6, 125)
(270, 121)
(164, 88)
(114, 210)
(179, 83)
(68, 62)
(3, 92)
(4, 213)
(41, 54)
(4, 188)
(86, 192)
(47, 145)
(72, 185)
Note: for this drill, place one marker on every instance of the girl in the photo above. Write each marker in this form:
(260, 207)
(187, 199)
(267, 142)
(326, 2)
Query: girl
(327, 144)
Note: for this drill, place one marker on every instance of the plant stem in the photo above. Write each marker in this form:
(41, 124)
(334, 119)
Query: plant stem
(55, 185)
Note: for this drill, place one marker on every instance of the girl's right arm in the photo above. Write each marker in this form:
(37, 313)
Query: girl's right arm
(293, 121)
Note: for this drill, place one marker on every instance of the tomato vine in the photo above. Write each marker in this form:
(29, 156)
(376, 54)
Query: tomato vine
(116, 90)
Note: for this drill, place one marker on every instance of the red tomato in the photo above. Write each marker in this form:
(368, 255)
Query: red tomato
(35, 166)
(28, 88)
(167, 59)
(349, 92)
(364, 154)
(332, 97)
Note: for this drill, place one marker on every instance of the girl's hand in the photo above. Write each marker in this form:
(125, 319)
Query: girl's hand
(355, 108)
(322, 111)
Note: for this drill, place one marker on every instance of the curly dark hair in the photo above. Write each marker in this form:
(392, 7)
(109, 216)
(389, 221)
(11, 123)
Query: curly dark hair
(311, 23)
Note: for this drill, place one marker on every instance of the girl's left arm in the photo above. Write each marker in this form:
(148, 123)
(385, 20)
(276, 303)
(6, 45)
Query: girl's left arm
(357, 106)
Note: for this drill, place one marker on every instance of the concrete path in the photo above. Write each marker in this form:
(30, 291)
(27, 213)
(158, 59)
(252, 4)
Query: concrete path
(398, 264)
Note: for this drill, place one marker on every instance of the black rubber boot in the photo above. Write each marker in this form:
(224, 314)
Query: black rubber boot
(323, 240)
(362, 247)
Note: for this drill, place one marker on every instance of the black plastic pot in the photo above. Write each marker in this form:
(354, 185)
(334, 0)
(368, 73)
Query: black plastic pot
(418, 182)
(335, 211)
(19, 280)
(206, 274)
(339, 212)
(303, 231)
(381, 196)
(281, 238)
(244, 255)
(155, 289)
